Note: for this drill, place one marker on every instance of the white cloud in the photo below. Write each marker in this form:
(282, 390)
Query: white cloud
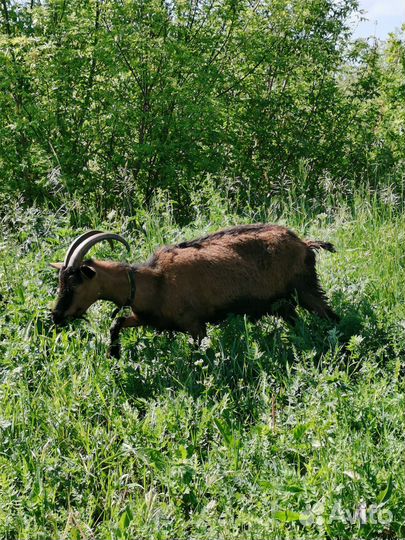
(383, 17)
(384, 8)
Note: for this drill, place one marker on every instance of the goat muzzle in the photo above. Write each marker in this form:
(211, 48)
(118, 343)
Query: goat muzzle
(58, 318)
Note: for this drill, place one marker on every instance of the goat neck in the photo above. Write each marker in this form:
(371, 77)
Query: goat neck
(114, 284)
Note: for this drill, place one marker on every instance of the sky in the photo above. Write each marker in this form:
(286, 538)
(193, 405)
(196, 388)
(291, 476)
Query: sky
(383, 16)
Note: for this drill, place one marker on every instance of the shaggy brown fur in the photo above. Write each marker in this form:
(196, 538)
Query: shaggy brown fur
(242, 270)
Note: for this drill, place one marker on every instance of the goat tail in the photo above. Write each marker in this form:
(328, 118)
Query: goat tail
(316, 245)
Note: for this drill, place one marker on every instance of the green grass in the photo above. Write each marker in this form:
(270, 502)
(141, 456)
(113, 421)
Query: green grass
(265, 432)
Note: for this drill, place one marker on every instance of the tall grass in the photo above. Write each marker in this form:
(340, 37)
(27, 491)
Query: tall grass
(266, 431)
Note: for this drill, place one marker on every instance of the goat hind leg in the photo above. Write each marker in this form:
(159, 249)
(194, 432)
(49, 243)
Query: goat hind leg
(315, 302)
(286, 309)
(197, 329)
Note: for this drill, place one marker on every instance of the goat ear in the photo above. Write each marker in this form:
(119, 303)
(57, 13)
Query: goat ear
(87, 271)
(57, 265)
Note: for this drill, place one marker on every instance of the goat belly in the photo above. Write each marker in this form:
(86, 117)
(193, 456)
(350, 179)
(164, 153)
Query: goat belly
(250, 306)
(158, 322)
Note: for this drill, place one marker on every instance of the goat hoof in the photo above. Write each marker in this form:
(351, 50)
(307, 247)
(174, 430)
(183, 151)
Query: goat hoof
(114, 351)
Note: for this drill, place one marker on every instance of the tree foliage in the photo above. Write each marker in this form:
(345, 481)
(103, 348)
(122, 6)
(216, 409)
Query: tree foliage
(113, 100)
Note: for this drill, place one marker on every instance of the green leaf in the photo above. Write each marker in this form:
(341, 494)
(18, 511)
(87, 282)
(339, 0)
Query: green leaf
(125, 520)
(385, 494)
(265, 484)
(299, 431)
(74, 533)
(288, 516)
(294, 488)
(182, 451)
(225, 431)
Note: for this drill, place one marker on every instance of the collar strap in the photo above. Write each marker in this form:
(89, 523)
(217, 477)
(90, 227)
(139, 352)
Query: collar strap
(132, 286)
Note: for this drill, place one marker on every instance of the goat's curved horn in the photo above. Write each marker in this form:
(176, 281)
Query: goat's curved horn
(84, 247)
(76, 243)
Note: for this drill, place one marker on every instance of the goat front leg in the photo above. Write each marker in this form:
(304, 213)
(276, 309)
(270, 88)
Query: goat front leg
(122, 322)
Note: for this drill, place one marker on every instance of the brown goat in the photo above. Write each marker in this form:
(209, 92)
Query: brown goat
(250, 269)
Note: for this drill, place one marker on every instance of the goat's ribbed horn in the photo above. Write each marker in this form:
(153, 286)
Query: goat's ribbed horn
(84, 247)
(76, 243)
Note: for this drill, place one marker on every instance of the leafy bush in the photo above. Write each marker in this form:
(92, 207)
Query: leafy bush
(111, 101)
